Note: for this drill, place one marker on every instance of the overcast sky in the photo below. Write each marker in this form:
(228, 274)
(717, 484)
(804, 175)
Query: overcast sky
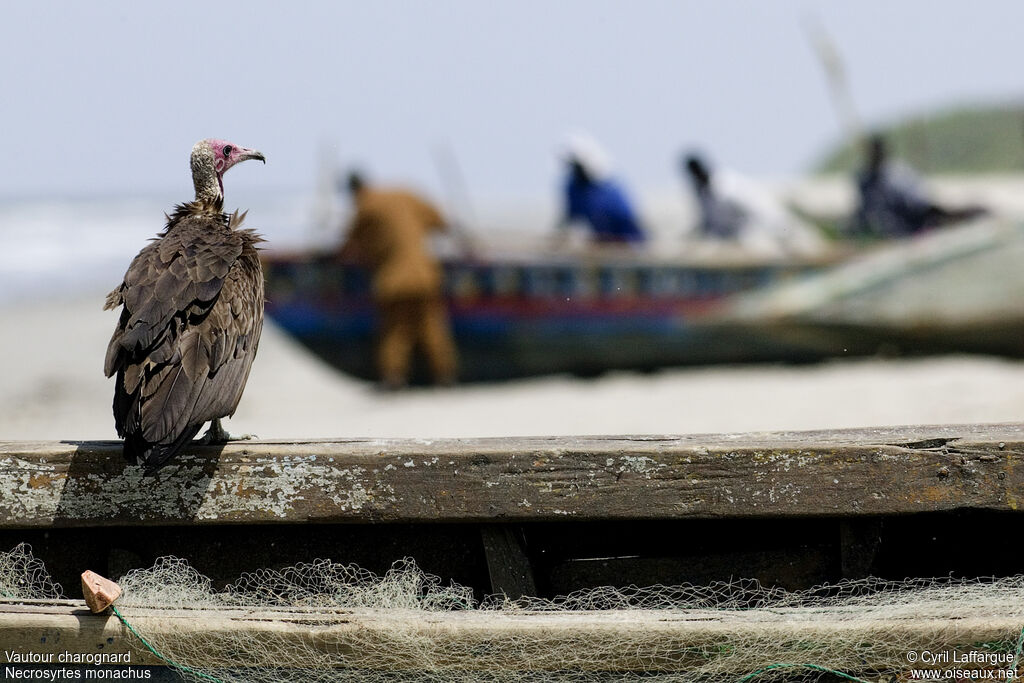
(108, 97)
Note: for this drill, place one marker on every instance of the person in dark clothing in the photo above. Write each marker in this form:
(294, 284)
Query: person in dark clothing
(893, 202)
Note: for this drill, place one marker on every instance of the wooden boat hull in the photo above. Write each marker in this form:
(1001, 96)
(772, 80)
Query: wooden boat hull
(524, 319)
(960, 290)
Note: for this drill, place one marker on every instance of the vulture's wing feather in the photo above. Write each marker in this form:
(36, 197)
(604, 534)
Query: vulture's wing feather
(238, 315)
(174, 348)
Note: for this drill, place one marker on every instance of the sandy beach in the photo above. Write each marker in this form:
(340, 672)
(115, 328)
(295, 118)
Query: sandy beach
(53, 388)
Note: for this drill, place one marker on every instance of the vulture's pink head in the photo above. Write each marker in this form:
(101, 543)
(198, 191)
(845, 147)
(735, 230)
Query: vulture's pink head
(211, 158)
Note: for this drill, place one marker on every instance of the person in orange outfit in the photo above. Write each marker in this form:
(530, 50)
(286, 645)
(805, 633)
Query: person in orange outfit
(388, 232)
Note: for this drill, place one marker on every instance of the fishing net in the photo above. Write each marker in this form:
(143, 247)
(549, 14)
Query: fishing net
(23, 577)
(324, 621)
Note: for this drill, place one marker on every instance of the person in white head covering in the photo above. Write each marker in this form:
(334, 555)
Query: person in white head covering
(592, 196)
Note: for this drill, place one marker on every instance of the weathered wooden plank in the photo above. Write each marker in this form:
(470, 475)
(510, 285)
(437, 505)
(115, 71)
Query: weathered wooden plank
(889, 471)
(54, 630)
(402, 639)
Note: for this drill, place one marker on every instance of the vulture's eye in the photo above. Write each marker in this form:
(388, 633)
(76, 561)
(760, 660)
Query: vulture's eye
(227, 150)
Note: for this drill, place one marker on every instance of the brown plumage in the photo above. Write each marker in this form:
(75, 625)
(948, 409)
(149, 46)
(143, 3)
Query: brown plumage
(191, 322)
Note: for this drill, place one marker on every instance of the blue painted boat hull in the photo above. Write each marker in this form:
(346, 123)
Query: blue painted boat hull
(524, 319)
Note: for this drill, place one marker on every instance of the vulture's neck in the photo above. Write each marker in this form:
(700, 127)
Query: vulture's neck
(204, 177)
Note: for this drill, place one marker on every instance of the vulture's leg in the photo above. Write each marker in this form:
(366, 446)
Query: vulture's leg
(217, 434)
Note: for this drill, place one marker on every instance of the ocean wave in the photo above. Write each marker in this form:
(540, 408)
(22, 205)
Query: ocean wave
(55, 247)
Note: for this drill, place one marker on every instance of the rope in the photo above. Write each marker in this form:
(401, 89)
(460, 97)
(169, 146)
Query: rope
(1016, 656)
(168, 660)
(815, 667)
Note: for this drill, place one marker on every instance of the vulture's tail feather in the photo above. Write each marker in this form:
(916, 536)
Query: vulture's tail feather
(138, 451)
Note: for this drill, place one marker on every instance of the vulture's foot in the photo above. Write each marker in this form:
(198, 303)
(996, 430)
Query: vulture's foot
(216, 434)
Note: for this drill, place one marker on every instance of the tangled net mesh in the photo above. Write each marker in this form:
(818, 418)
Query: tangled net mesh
(324, 621)
(334, 622)
(23, 577)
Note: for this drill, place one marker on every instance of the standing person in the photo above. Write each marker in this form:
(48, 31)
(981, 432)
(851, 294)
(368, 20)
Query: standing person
(893, 202)
(591, 195)
(389, 233)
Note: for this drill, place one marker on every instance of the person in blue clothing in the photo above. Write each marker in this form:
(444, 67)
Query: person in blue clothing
(595, 198)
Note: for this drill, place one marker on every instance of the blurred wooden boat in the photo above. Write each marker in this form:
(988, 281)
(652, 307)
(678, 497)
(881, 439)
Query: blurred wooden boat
(525, 314)
(956, 290)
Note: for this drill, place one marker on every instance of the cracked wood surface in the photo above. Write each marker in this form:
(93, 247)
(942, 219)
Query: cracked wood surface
(887, 471)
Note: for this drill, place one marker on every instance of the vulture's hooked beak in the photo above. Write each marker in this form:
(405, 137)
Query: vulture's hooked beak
(252, 154)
